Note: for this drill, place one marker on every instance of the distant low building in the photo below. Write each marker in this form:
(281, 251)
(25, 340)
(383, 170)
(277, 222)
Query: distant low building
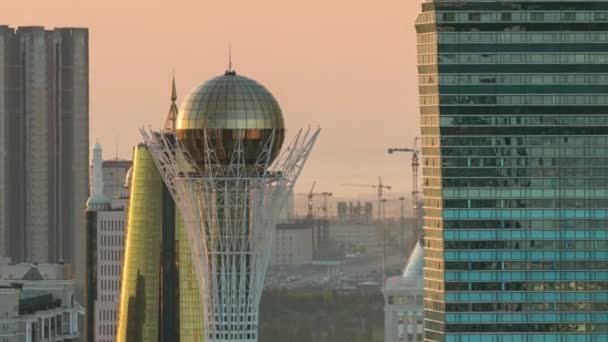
(293, 244)
(355, 235)
(321, 244)
(37, 303)
(404, 301)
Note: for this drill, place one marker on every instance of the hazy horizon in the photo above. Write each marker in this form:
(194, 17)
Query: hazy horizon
(318, 66)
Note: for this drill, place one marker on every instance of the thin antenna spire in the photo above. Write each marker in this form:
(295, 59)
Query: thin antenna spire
(116, 147)
(230, 56)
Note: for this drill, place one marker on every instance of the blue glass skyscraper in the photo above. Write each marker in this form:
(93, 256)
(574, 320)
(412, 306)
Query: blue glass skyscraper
(514, 112)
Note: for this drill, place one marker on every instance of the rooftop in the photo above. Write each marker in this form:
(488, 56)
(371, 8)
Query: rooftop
(32, 271)
(117, 163)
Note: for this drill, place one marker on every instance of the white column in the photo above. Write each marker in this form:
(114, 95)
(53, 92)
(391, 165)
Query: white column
(387, 322)
(72, 320)
(28, 331)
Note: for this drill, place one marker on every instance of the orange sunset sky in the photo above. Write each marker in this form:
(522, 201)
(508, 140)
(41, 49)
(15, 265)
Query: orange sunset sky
(347, 66)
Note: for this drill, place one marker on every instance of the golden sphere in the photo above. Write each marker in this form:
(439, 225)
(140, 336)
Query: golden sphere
(225, 107)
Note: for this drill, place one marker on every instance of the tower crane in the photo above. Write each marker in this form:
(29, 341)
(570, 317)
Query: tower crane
(380, 188)
(311, 195)
(415, 164)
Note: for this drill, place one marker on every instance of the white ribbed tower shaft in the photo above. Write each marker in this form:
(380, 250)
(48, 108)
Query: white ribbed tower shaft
(230, 212)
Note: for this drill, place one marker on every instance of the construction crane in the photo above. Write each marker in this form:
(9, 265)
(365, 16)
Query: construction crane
(415, 164)
(380, 188)
(311, 196)
(383, 201)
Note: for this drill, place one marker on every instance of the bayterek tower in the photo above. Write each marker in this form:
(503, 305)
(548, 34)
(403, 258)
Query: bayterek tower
(224, 161)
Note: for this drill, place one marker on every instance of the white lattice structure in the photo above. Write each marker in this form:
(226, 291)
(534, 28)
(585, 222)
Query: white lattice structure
(230, 212)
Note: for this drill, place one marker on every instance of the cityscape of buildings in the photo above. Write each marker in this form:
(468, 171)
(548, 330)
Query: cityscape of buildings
(507, 241)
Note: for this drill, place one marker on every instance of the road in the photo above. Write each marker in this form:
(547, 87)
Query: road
(359, 268)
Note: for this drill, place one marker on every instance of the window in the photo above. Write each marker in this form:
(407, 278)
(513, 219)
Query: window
(537, 16)
(487, 17)
(474, 16)
(505, 16)
(568, 16)
(449, 16)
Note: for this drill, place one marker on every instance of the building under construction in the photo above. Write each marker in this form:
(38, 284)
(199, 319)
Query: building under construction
(350, 212)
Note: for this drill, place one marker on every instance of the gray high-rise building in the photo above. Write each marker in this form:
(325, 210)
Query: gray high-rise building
(514, 112)
(44, 132)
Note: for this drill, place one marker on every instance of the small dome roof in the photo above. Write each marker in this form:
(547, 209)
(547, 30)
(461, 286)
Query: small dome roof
(230, 101)
(415, 264)
(98, 202)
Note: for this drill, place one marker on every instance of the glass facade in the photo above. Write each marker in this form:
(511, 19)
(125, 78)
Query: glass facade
(191, 318)
(139, 294)
(514, 112)
(159, 299)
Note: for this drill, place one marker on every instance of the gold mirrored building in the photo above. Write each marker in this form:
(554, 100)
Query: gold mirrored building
(160, 299)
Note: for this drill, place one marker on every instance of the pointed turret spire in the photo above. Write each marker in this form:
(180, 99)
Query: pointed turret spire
(97, 200)
(172, 115)
(173, 91)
